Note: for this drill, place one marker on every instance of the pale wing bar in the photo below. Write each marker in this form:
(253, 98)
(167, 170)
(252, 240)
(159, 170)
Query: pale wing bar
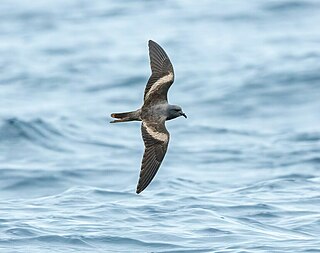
(162, 72)
(156, 139)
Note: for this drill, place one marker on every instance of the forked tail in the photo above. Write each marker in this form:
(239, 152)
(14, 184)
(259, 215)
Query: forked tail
(126, 116)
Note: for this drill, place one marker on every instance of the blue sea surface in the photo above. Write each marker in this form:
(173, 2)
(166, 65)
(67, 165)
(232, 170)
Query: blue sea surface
(242, 173)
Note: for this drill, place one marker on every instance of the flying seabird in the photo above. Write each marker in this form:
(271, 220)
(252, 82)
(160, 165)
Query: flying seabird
(153, 114)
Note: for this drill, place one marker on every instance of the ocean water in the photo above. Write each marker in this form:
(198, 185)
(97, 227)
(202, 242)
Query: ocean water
(242, 173)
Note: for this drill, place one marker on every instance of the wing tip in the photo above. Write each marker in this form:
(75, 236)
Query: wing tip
(141, 186)
(152, 43)
(139, 189)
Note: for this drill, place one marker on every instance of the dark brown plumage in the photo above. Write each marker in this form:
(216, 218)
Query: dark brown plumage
(153, 114)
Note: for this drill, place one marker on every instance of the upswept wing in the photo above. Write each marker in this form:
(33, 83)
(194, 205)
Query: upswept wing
(156, 139)
(162, 75)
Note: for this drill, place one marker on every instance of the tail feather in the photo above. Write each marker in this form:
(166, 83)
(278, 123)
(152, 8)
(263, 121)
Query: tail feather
(120, 115)
(125, 116)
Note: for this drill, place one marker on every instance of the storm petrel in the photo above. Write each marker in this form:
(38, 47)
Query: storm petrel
(153, 114)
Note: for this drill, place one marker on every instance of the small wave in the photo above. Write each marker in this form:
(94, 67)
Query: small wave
(131, 242)
(36, 132)
(76, 240)
(26, 232)
(295, 176)
(213, 231)
(285, 6)
(272, 230)
(124, 83)
(74, 195)
(217, 130)
(28, 183)
(56, 239)
(281, 182)
(307, 137)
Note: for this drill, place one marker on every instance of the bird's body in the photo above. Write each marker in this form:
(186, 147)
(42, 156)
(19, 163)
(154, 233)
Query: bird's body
(153, 114)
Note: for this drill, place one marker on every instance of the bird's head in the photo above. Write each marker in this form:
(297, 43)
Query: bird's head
(175, 111)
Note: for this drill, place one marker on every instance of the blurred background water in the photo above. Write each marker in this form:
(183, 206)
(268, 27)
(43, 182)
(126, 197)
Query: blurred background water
(243, 171)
